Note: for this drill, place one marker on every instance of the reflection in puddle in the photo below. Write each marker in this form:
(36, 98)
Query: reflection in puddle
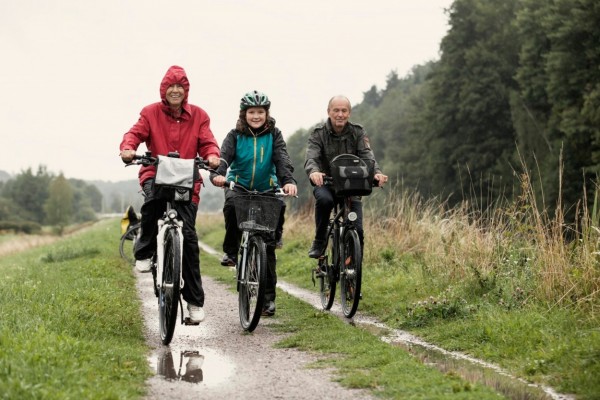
(189, 365)
(470, 369)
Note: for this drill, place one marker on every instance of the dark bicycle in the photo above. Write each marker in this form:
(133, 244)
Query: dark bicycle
(341, 259)
(257, 215)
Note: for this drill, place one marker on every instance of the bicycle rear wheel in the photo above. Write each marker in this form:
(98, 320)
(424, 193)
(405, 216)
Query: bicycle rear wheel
(350, 273)
(168, 299)
(252, 286)
(127, 245)
(326, 275)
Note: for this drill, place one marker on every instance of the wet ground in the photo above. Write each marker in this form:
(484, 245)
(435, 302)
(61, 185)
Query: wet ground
(218, 360)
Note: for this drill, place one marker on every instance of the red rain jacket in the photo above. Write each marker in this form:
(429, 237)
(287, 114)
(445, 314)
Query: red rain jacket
(189, 134)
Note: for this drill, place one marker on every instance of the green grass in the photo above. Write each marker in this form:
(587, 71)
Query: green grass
(360, 359)
(70, 323)
(556, 346)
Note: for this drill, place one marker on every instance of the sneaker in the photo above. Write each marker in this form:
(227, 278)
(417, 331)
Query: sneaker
(196, 313)
(229, 260)
(269, 309)
(143, 265)
(316, 249)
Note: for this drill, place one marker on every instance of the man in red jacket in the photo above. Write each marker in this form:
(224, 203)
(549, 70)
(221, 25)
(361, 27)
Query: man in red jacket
(172, 125)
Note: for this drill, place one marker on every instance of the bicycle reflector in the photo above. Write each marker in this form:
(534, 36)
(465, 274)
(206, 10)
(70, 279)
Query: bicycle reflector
(352, 216)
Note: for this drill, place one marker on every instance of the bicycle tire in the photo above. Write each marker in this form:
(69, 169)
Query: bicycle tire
(128, 241)
(168, 299)
(251, 295)
(326, 275)
(350, 273)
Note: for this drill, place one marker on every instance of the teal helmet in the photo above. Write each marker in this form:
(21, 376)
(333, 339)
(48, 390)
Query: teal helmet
(255, 99)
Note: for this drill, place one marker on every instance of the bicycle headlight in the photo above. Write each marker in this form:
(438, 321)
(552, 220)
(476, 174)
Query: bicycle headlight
(352, 216)
(172, 214)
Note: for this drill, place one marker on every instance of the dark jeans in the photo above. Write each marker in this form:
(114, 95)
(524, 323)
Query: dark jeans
(152, 210)
(325, 199)
(233, 238)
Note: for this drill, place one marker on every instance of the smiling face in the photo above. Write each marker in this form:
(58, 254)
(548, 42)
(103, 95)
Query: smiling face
(339, 112)
(256, 117)
(175, 95)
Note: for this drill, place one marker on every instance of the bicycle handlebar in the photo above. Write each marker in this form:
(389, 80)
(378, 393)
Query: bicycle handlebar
(147, 160)
(278, 192)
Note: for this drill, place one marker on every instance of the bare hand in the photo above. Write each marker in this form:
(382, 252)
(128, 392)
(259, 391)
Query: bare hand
(290, 189)
(127, 155)
(317, 178)
(214, 162)
(219, 180)
(381, 179)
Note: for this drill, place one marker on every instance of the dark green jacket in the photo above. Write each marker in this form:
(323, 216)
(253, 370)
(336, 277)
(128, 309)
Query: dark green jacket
(324, 145)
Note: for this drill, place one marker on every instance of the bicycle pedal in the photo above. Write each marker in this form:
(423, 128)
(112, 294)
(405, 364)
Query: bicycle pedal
(188, 321)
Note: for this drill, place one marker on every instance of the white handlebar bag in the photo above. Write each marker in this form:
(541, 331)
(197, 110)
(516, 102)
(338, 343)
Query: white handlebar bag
(174, 179)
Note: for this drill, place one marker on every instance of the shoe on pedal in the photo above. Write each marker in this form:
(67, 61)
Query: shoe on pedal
(143, 265)
(269, 309)
(316, 249)
(229, 260)
(196, 313)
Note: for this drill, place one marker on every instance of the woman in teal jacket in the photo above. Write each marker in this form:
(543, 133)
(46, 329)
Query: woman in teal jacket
(258, 160)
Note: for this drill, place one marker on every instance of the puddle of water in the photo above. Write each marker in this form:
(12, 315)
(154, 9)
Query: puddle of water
(194, 366)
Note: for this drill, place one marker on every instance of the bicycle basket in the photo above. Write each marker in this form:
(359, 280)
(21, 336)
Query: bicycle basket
(257, 212)
(352, 176)
(174, 179)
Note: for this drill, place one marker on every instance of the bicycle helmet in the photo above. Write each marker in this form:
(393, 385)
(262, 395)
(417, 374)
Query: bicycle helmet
(254, 99)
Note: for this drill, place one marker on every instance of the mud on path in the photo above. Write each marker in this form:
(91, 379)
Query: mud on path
(233, 364)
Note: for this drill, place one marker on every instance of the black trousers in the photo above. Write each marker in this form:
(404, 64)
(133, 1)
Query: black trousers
(233, 238)
(152, 210)
(325, 199)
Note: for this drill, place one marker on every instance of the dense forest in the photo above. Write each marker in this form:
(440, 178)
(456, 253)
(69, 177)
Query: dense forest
(516, 91)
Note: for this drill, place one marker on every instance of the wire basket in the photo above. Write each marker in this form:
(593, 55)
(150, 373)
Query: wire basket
(257, 212)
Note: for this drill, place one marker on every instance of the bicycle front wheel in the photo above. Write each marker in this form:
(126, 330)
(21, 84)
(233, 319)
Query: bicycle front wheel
(168, 299)
(128, 240)
(350, 273)
(252, 282)
(326, 275)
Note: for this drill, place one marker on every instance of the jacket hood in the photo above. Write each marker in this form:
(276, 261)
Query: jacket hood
(175, 74)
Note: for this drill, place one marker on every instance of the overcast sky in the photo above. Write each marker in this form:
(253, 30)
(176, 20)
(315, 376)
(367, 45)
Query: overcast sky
(76, 73)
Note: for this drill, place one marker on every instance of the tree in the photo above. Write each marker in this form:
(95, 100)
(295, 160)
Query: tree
(59, 206)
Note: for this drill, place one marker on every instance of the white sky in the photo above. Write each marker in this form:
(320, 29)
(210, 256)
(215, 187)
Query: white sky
(76, 73)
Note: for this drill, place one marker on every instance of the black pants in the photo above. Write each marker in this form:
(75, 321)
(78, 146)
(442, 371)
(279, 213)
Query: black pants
(233, 238)
(325, 199)
(152, 210)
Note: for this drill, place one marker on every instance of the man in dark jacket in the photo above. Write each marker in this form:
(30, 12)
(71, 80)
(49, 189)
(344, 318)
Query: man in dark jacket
(336, 136)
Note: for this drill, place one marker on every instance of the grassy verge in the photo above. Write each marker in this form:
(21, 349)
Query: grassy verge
(70, 323)
(555, 345)
(360, 359)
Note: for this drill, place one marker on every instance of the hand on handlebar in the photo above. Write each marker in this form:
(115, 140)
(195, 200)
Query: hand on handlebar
(290, 189)
(219, 180)
(127, 156)
(317, 178)
(381, 179)
(214, 162)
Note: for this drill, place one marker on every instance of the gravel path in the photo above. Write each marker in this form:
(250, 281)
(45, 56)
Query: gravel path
(233, 364)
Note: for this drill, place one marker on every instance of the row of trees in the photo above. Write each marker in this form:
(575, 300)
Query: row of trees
(31, 200)
(516, 90)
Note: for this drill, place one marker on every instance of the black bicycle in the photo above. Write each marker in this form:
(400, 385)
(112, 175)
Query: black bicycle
(128, 241)
(341, 259)
(173, 182)
(257, 215)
